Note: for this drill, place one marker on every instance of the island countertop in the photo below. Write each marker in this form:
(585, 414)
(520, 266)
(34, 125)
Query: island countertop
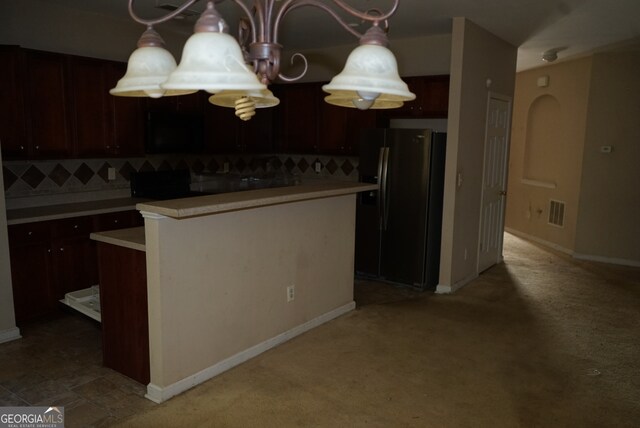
(225, 202)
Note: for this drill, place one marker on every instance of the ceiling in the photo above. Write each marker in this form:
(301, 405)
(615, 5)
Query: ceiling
(577, 27)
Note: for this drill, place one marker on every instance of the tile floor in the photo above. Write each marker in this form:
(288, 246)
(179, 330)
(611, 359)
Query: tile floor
(59, 362)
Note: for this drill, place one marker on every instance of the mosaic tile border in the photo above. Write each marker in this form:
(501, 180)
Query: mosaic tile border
(36, 178)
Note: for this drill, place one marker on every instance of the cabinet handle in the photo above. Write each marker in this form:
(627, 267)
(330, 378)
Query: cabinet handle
(75, 226)
(115, 221)
(29, 233)
(61, 248)
(21, 147)
(49, 250)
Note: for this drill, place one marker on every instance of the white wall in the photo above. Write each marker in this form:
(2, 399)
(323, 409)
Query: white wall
(476, 56)
(8, 330)
(217, 284)
(547, 140)
(608, 228)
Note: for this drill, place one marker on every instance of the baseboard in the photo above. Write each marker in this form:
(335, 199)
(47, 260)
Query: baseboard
(587, 257)
(610, 260)
(539, 241)
(448, 289)
(159, 394)
(10, 334)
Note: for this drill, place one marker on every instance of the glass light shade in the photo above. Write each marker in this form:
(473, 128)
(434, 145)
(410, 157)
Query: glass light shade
(147, 68)
(371, 72)
(212, 62)
(354, 99)
(263, 98)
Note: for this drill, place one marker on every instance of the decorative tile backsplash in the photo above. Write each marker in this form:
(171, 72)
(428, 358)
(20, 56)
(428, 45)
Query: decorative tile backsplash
(23, 179)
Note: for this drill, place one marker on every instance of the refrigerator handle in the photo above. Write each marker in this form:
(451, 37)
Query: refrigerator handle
(384, 210)
(380, 181)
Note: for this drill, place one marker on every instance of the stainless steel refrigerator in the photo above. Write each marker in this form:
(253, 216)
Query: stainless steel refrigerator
(398, 227)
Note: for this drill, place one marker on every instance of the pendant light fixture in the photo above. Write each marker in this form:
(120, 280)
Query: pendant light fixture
(238, 73)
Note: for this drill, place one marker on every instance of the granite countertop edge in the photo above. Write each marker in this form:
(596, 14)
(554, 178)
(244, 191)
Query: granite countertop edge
(69, 210)
(225, 202)
(132, 237)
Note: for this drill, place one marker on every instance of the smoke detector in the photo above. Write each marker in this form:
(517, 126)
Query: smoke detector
(551, 54)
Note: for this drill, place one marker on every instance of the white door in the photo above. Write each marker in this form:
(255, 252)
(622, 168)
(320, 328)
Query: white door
(494, 182)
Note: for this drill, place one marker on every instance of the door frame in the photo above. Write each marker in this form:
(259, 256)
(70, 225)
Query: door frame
(501, 97)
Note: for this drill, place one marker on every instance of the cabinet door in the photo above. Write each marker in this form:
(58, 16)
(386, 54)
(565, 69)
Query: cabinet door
(13, 139)
(123, 303)
(46, 102)
(74, 256)
(256, 134)
(432, 98)
(340, 128)
(410, 108)
(435, 96)
(90, 107)
(333, 128)
(300, 111)
(31, 270)
(221, 130)
(127, 132)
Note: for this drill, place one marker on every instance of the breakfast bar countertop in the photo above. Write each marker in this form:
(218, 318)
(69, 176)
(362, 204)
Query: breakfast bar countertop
(132, 238)
(225, 202)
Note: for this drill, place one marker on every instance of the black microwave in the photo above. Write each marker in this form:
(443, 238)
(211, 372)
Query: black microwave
(173, 132)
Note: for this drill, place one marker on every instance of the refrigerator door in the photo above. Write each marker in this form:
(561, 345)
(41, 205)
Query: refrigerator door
(404, 229)
(367, 252)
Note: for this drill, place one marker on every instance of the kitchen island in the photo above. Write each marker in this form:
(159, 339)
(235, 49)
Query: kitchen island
(230, 276)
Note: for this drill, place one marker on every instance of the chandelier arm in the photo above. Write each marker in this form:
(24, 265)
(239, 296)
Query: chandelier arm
(299, 76)
(165, 18)
(365, 15)
(294, 4)
(250, 17)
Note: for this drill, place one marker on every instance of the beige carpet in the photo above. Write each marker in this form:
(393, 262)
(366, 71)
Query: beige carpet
(539, 341)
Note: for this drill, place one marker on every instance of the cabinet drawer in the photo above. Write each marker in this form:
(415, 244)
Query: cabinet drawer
(117, 220)
(70, 227)
(29, 233)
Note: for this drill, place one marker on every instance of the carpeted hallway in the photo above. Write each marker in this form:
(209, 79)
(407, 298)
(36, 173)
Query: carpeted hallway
(539, 341)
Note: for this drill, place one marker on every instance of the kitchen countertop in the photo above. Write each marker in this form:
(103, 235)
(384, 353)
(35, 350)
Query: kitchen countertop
(76, 209)
(225, 202)
(132, 237)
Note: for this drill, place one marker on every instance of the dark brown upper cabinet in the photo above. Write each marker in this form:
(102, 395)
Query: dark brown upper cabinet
(46, 100)
(432, 98)
(13, 136)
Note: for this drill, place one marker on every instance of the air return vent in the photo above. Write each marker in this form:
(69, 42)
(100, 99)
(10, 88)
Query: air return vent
(556, 213)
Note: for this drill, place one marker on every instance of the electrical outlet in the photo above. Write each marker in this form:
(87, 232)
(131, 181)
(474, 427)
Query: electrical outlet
(318, 167)
(225, 167)
(111, 174)
(291, 293)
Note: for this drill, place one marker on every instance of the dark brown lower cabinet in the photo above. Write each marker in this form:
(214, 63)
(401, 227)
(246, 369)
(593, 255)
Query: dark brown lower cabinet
(52, 258)
(123, 302)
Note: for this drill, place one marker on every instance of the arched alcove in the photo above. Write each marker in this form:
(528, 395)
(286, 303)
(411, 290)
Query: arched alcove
(544, 134)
